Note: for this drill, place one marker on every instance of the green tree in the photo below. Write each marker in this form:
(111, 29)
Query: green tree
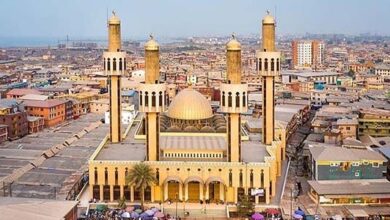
(246, 207)
(122, 203)
(141, 176)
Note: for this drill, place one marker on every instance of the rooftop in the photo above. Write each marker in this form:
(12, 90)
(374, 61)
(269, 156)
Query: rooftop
(351, 187)
(322, 153)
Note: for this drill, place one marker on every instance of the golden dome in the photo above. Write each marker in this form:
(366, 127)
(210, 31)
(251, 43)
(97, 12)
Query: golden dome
(190, 105)
(268, 19)
(114, 19)
(152, 44)
(233, 44)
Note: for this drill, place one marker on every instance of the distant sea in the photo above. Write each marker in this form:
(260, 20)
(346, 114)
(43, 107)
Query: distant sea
(6, 42)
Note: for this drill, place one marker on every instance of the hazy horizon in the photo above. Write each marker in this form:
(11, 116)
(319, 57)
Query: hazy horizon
(175, 18)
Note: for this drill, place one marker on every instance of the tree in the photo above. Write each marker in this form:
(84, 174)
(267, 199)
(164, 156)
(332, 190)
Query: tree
(141, 176)
(122, 203)
(245, 208)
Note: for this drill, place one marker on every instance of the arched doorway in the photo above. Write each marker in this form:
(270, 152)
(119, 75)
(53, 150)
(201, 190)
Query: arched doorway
(240, 193)
(193, 188)
(173, 190)
(148, 194)
(214, 191)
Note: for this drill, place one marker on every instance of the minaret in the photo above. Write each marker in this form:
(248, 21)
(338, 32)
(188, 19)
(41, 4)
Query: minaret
(152, 99)
(268, 67)
(114, 66)
(234, 99)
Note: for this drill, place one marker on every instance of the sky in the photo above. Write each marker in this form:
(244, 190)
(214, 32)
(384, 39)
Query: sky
(82, 19)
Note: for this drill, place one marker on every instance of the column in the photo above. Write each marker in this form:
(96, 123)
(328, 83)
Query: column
(101, 192)
(152, 193)
(165, 192)
(185, 191)
(221, 192)
(267, 196)
(132, 193)
(273, 187)
(207, 191)
(256, 200)
(201, 191)
(122, 191)
(235, 194)
(111, 193)
(180, 191)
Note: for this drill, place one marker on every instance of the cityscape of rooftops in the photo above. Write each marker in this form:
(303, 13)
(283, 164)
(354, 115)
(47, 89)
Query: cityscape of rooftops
(148, 110)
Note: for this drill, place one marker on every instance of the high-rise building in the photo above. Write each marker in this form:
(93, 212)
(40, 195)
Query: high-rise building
(308, 54)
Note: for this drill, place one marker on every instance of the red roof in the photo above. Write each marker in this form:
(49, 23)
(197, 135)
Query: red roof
(22, 92)
(43, 104)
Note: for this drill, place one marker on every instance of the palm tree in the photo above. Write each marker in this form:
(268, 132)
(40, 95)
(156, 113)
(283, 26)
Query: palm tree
(141, 176)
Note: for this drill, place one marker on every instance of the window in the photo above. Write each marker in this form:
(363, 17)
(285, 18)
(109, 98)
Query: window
(375, 164)
(237, 100)
(357, 173)
(355, 164)
(114, 64)
(223, 98)
(334, 164)
(348, 128)
(230, 100)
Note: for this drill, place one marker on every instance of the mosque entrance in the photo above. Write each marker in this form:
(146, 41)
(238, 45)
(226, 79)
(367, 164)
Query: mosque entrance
(173, 190)
(193, 191)
(214, 191)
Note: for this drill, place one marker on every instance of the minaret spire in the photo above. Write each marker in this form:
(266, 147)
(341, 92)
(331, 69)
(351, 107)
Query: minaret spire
(114, 66)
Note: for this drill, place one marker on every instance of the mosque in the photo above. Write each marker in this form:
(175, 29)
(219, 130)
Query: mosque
(197, 155)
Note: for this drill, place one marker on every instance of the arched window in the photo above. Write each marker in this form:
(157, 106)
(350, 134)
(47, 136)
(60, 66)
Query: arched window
(105, 176)
(104, 63)
(157, 175)
(120, 64)
(160, 99)
(116, 175)
(114, 64)
(237, 99)
(272, 64)
(266, 64)
(146, 99)
(277, 65)
(260, 65)
(140, 98)
(153, 99)
(124, 63)
(126, 171)
(251, 179)
(241, 178)
(223, 98)
(108, 64)
(230, 178)
(243, 99)
(96, 176)
(262, 179)
(230, 99)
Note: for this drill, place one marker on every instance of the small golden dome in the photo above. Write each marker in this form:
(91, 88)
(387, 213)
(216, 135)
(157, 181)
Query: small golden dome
(152, 44)
(190, 105)
(233, 44)
(114, 19)
(268, 19)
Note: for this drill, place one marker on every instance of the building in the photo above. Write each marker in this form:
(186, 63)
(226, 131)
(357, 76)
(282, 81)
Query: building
(12, 208)
(35, 124)
(53, 111)
(13, 114)
(197, 155)
(3, 133)
(382, 70)
(100, 106)
(374, 122)
(308, 54)
(17, 93)
(348, 176)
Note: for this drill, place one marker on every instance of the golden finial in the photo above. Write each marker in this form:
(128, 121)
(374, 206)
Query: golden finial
(233, 44)
(151, 44)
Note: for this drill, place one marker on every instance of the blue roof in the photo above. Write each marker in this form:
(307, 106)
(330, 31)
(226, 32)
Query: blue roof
(130, 93)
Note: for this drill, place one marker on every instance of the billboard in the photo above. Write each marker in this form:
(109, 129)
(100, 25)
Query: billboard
(257, 192)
